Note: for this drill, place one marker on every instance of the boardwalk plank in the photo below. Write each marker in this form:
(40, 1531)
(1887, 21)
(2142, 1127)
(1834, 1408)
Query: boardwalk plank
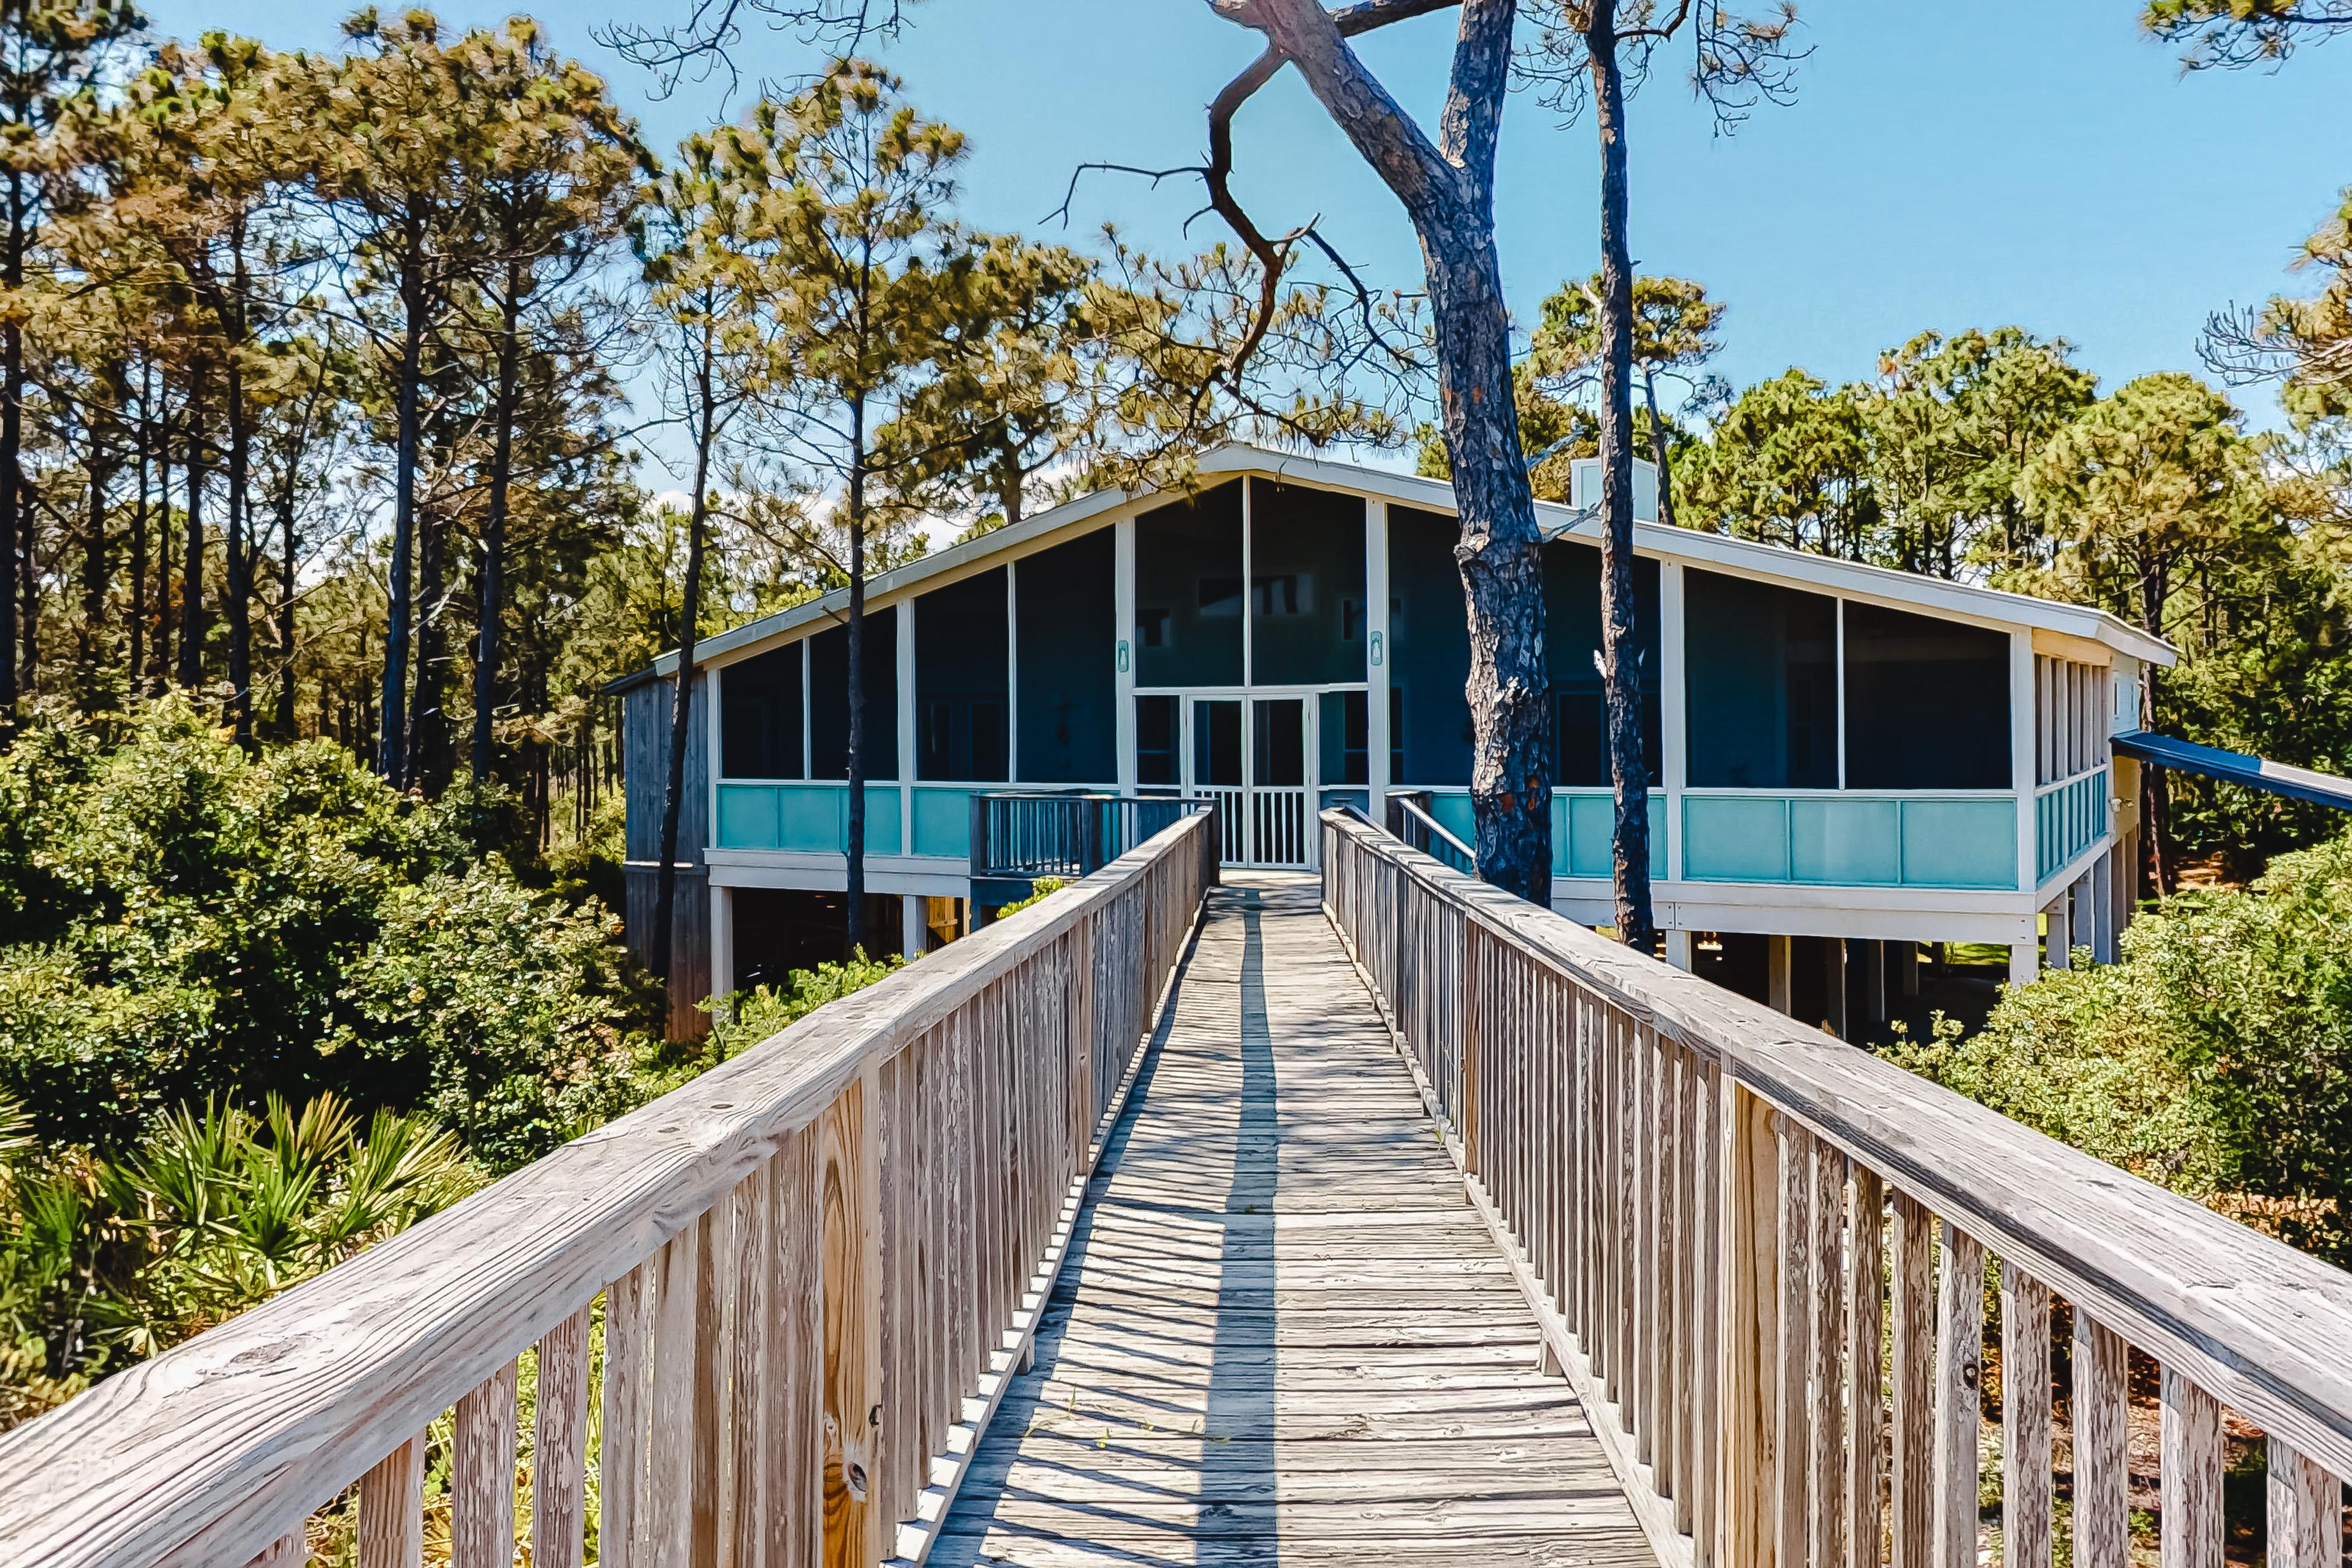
(1284, 1334)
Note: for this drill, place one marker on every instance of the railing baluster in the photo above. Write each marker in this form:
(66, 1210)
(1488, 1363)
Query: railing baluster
(1791, 1393)
(751, 1437)
(2190, 1474)
(795, 1394)
(1709, 1262)
(1911, 1362)
(1865, 1329)
(2306, 1510)
(558, 1445)
(621, 1525)
(1959, 1325)
(2025, 1489)
(1827, 1487)
(391, 1510)
(481, 1476)
(2102, 1459)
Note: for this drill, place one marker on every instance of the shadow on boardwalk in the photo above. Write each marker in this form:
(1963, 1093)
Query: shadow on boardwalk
(1283, 1335)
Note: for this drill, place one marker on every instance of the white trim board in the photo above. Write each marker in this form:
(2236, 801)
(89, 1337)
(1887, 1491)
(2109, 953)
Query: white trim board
(1851, 579)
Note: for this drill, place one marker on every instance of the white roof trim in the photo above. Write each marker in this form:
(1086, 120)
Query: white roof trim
(1747, 557)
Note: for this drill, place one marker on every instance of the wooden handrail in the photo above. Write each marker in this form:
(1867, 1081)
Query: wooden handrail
(1728, 1223)
(857, 1209)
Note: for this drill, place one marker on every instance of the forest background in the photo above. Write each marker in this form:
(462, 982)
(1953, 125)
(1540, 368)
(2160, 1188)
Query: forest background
(361, 409)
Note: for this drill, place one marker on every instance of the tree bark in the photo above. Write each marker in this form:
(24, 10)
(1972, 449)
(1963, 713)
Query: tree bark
(391, 743)
(238, 557)
(1447, 191)
(15, 526)
(1620, 682)
(282, 724)
(89, 636)
(853, 940)
(159, 668)
(2155, 792)
(682, 696)
(494, 530)
(192, 562)
(1658, 449)
(135, 654)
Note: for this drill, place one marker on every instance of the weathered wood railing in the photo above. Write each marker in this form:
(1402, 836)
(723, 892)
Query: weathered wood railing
(1729, 1226)
(816, 1263)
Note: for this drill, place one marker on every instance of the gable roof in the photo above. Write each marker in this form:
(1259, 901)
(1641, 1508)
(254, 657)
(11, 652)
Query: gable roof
(1749, 558)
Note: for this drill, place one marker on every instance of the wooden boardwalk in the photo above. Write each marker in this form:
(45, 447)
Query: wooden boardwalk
(1283, 1334)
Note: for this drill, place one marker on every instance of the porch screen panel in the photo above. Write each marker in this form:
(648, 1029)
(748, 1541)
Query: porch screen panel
(961, 688)
(760, 716)
(1429, 651)
(1188, 591)
(1342, 738)
(1306, 585)
(1762, 684)
(1926, 702)
(1066, 626)
(1571, 576)
(829, 699)
(1158, 728)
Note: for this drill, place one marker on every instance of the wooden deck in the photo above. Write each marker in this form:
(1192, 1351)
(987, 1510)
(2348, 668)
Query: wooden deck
(1283, 1334)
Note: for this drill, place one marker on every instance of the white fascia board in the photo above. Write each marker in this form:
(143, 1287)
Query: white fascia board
(928, 572)
(1745, 556)
(1749, 558)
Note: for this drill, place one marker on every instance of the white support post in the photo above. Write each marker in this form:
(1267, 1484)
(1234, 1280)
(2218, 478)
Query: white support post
(1833, 981)
(1777, 983)
(2058, 939)
(1678, 948)
(2085, 920)
(1873, 952)
(1674, 745)
(912, 928)
(1249, 594)
(2022, 730)
(723, 941)
(2024, 964)
(2102, 877)
(906, 623)
(1012, 672)
(1376, 655)
(1123, 576)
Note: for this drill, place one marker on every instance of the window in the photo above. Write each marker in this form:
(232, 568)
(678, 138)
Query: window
(960, 680)
(1155, 741)
(1343, 738)
(1762, 684)
(828, 655)
(1429, 657)
(1188, 593)
(1926, 702)
(1572, 635)
(1306, 592)
(1066, 627)
(760, 716)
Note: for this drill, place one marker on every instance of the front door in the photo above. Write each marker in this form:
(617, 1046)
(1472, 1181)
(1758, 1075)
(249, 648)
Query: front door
(1215, 768)
(1250, 756)
(1279, 818)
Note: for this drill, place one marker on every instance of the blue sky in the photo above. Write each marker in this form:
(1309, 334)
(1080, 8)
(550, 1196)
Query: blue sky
(1944, 166)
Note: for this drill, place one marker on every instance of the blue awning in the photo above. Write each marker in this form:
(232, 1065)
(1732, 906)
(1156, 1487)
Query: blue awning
(2235, 767)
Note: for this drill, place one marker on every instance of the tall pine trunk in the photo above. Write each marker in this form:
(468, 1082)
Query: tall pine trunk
(1620, 682)
(238, 551)
(681, 711)
(391, 743)
(853, 841)
(89, 637)
(192, 558)
(283, 722)
(136, 655)
(494, 529)
(1658, 449)
(16, 524)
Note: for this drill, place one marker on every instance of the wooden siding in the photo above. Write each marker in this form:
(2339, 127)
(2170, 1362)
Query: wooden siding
(645, 760)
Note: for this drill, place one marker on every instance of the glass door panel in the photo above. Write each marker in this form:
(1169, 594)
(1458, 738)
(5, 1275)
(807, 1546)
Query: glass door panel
(1278, 781)
(1216, 768)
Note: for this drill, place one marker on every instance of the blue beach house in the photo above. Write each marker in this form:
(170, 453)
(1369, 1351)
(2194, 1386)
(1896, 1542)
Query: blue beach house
(1850, 762)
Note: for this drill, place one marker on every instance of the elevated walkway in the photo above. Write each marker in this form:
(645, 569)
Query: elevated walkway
(1283, 1334)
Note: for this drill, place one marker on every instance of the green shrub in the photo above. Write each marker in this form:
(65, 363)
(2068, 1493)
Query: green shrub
(179, 920)
(2216, 1058)
(1038, 890)
(746, 1018)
